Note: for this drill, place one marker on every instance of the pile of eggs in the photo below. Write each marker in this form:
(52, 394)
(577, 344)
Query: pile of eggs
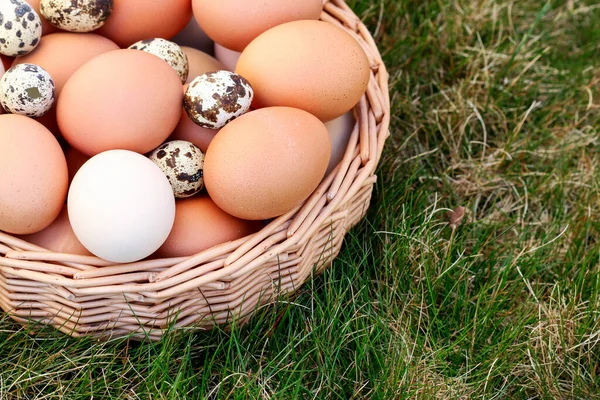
(122, 136)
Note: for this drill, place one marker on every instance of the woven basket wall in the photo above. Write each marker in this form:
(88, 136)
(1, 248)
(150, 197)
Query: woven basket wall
(83, 295)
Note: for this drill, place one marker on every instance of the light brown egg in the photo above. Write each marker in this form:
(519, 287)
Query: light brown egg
(266, 162)
(311, 65)
(234, 23)
(33, 175)
(123, 99)
(59, 237)
(63, 53)
(47, 27)
(200, 225)
(134, 20)
(200, 63)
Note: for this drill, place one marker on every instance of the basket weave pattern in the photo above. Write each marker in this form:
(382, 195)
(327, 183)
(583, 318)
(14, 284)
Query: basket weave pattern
(84, 295)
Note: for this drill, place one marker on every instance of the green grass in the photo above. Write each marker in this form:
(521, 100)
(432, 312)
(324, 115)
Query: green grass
(495, 109)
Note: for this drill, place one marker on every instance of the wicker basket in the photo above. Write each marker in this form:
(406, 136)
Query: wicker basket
(84, 295)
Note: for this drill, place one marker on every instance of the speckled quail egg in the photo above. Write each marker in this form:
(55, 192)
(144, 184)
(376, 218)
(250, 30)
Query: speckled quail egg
(27, 89)
(183, 164)
(167, 51)
(20, 28)
(76, 16)
(214, 99)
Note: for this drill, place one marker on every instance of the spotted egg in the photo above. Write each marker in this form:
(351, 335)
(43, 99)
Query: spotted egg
(27, 89)
(76, 16)
(20, 28)
(183, 164)
(167, 51)
(214, 99)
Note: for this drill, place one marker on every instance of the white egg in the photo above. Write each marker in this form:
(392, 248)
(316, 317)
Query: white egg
(20, 28)
(228, 57)
(214, 99)
(183, 164)
(121, 206)
(167, 51)
(76, 16)
(27, 89)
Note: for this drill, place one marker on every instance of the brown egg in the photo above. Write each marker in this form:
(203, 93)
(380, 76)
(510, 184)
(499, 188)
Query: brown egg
(234, 23)
(187, 130)
(200, 225)
(134, 20)
(47, 27)
(123, 99)
(59, 237)
(33, 175)
(75, 159)
(63, 53)
(266, 162)
(311, 65)
(200, 63)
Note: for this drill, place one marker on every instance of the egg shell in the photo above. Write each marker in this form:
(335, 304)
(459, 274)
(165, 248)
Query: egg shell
(266, 162)
(183, 164)
(193, 36)
(214, 99)
(200, 63)
(27, 89)
(33, 175)
(63, 53)
(311, 65)
(134, 20)
(58, 237)
(167, 51)
(234, 23)
(123, 99)
(121, 206)
(21, 28)
(200, 225)
(78, 16)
